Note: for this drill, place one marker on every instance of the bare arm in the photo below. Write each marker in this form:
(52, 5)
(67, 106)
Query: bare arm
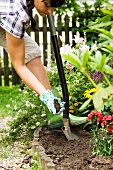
(16, 50)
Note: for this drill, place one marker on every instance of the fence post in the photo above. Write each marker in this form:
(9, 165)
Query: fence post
(37, 32)
(0, 72)
(6, 69)
(45, 40)
(15, 77)
(66, 29)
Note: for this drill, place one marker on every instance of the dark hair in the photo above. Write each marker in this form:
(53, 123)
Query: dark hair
(55, 3)
(30, 5)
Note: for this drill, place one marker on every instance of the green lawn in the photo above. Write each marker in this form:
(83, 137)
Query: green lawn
(6, 93)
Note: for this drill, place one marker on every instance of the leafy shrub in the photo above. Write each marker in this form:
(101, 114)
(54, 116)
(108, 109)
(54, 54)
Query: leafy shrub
(29, 113)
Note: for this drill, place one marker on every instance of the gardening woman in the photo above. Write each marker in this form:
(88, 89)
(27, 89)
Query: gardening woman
(15, 16)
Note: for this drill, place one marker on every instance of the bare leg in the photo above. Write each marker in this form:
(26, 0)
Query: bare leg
(37, 68)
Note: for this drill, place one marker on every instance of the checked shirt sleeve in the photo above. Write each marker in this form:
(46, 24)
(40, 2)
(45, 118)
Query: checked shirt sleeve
(14, 17)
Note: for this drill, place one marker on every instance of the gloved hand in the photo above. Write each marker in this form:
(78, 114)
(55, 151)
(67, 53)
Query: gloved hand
(54, 104)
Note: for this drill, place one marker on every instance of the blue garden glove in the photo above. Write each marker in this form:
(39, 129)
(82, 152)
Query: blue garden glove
(54, 104)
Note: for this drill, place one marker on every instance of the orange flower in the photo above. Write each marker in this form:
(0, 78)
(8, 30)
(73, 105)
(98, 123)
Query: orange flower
(71, 111)
(75, 104)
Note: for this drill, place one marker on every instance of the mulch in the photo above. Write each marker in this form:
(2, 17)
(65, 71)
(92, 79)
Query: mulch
(73, 154)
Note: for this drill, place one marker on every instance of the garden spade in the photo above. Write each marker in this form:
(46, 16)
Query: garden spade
(66, 123)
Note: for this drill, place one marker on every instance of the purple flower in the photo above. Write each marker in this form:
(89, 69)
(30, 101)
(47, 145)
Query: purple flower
(96, 76)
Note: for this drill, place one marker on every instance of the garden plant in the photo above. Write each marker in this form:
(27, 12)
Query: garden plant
(96, 58)
(88, 70)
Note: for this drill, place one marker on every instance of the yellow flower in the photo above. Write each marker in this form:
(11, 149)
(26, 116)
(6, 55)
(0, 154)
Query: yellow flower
(71, 107)
(88, 93)
(93, 90)
(75, 104)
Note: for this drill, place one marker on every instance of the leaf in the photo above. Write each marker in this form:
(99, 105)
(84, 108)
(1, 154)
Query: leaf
(108, 5)
(111, 31)
(97, 101)
(108, 12)
(108, 69)
(109, 89)
(101, 95)
(102, 24)
(103, 43)
(72, 59)
(105, 32)
(84, 57)
(55, 92)
(103, 61)
(105, 36)
(106, 50)
(100, 60)
(109, 47)
(85, 104)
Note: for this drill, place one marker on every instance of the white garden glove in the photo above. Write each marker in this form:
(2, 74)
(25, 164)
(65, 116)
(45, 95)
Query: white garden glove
(51, 101)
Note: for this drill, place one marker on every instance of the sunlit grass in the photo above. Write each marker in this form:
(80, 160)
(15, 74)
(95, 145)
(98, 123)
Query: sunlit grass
(6, 94)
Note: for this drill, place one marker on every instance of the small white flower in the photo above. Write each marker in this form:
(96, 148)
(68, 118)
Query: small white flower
(20, 111)
(8, 105)
(32, 105)
(84, 47)
(66, 49)
(37, 123)
(94, 47)
(15, 107)
(27, 103)
(25, 92)
(42, 115)
(79, 40)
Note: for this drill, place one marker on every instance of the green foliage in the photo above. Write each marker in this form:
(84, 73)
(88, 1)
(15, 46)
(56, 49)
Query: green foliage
(84, 58)
(69, 5)
(7, 94)
(35, 162)
(83, 13)
(104, 26)
(77, 85)
(87, 13)
(29, 113)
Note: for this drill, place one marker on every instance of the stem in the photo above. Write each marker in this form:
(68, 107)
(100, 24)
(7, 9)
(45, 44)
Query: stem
(106, 78)
(91, 80)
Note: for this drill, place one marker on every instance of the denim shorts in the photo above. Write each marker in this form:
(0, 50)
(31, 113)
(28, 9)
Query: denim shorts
(32, 49)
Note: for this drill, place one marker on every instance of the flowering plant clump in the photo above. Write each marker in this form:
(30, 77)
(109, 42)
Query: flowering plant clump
(102, 128)
(86, 58)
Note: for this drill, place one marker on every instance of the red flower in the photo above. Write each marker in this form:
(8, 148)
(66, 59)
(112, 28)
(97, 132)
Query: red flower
(97, 114)
(110, 129)
(108, 117)
(103, 123)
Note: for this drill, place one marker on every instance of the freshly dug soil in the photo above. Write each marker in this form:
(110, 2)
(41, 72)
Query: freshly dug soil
(73, 154)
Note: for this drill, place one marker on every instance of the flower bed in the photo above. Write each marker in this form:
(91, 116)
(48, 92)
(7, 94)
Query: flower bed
(71, 155)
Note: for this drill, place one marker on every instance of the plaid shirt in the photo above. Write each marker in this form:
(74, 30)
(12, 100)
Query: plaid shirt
(14, 16)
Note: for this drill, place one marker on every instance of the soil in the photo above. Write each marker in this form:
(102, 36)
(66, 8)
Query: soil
(73, 154)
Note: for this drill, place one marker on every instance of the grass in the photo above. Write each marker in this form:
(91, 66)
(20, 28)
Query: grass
(6, 94)
(18, 148)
